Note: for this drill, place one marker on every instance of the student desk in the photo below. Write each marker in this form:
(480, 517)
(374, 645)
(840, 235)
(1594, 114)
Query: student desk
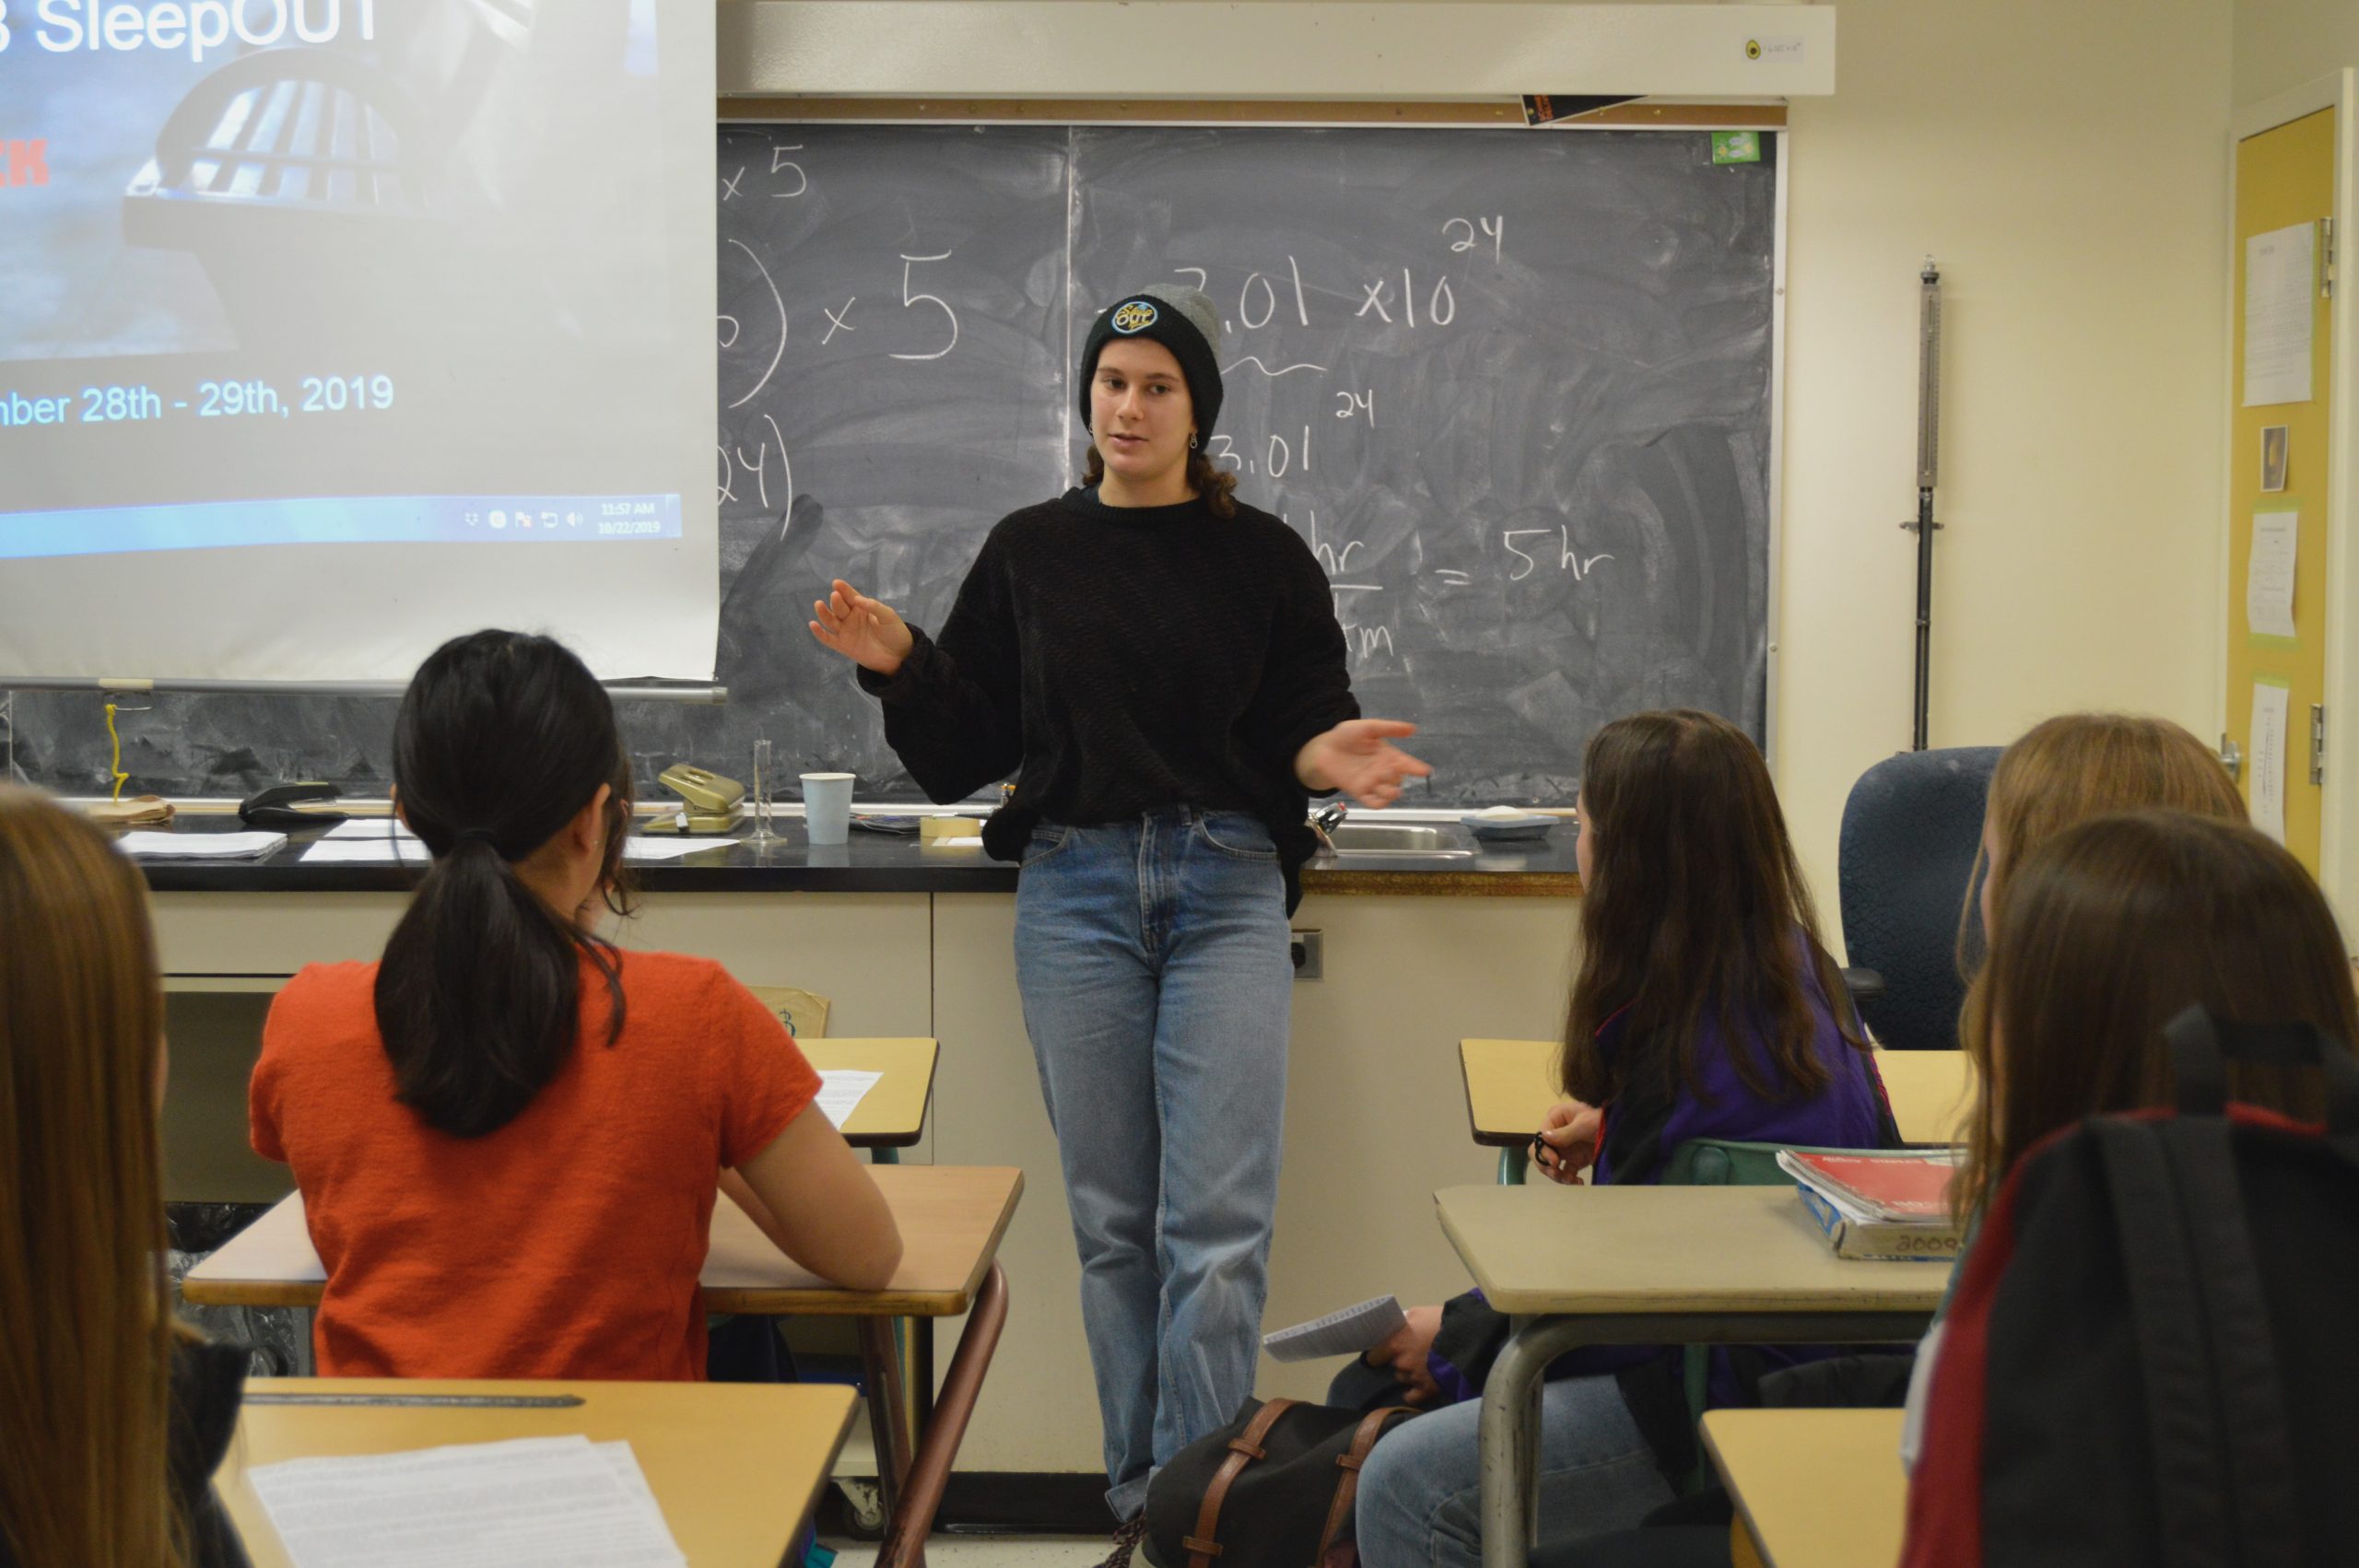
(1650, 1265)
(1814, 1488)
(1512, 1084)
(892, 1113)
(951, 1219)
(736, 1466)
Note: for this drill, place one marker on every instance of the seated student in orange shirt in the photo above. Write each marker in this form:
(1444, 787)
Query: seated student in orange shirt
(508, 1132)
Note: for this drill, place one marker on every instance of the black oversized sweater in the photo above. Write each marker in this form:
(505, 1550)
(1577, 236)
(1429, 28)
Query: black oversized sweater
(1121, 659)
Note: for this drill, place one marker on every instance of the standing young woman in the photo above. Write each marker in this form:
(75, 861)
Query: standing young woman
(111, 1420)
(1160, 668)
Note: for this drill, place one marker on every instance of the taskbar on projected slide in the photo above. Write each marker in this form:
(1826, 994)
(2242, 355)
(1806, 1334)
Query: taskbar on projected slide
(365, 519)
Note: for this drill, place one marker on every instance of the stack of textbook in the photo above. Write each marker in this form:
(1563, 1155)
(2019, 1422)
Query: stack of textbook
(1878, 1205)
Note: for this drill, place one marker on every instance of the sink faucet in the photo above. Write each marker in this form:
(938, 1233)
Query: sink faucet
(1328, 818)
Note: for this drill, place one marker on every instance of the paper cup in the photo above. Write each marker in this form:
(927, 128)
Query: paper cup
(827, 806)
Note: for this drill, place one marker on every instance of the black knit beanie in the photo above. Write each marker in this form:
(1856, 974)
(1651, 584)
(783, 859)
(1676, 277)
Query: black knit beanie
(1182, 320)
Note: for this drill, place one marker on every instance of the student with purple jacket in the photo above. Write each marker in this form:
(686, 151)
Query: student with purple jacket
(1706, 1007)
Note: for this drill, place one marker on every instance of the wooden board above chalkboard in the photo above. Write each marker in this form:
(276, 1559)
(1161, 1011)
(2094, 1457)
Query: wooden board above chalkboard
(1514, 387)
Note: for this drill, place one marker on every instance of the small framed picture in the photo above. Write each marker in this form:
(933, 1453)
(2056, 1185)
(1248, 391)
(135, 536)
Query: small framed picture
(2272, 457)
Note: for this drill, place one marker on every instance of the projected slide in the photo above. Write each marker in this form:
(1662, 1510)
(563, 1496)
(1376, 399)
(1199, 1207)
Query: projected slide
(320, 273)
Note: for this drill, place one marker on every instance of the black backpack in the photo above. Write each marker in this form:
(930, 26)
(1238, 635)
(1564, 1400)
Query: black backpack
(1273, 1489)
(2152, 1353)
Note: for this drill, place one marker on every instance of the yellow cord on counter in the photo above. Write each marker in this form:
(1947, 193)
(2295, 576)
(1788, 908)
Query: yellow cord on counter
(114, 763)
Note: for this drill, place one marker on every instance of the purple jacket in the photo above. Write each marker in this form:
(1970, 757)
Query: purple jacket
(1642, 1128)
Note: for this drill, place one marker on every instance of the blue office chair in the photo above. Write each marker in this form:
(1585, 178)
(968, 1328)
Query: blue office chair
(1910, 831)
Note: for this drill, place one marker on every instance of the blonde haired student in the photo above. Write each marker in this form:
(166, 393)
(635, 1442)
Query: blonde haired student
(2105, 933)
(111, 1418)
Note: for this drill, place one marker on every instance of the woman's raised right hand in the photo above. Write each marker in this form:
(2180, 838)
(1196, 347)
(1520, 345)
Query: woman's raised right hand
(865, 630)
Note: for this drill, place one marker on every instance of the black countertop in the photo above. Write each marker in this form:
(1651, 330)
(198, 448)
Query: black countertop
(873, 863)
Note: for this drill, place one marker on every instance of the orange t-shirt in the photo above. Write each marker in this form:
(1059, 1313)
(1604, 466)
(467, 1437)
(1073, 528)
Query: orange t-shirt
(566, 1243)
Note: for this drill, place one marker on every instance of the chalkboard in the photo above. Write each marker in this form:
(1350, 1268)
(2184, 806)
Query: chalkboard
(1513, 386)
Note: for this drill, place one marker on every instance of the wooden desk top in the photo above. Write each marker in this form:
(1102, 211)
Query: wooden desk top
(1815, 1489)
(952, 1218)
(892, 1113)
(1546, 1248)
(1509, 1085)
(736, 1466)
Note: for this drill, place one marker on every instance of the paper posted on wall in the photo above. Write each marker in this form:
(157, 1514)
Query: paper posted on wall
(2270, 574)
(2270, 701)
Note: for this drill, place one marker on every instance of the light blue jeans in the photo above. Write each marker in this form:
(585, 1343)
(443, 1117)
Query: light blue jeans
(1420, 1502)
(1153, 960)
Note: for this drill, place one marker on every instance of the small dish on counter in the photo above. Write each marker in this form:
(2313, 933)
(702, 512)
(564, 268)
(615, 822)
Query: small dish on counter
(1522, 827)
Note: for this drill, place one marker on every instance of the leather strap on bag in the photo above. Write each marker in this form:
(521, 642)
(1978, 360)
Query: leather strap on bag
(1364, 1438)
(1243, 1449)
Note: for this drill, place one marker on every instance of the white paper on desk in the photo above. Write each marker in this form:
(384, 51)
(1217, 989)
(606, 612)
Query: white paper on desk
(841, 1091)
(2268, 758)
(380, 852)
(200, 846)
(370, 827)
(1346, 1333)
(2280, 289)
(2269, 580)
(531, 1503)
(637, 848)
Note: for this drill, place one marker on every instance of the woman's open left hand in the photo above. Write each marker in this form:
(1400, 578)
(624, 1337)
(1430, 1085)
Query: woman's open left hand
(1358, 757)
(865, 630)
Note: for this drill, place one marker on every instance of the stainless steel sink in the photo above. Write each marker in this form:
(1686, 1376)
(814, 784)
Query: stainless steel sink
(1399, 841)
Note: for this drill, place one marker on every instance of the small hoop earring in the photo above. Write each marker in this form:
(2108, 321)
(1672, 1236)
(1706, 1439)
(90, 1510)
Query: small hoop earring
(1191, 441)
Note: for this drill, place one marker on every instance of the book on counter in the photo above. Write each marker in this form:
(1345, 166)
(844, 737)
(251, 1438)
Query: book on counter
(1881, 1205)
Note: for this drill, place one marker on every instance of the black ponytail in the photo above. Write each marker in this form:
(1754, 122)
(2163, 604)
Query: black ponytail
(501, 741)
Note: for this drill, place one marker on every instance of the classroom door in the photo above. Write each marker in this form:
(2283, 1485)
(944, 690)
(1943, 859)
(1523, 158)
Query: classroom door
(2278, 536)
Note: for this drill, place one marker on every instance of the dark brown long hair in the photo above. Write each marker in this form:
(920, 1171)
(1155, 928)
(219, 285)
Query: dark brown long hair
(2107, 930)
(85, 1322)
(1216, 485)
(501, 741)
(1696, 900)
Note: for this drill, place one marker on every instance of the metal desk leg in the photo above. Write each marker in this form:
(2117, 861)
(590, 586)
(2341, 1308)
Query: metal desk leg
(304, 1323)
(1510, 1428)
(888, 1410)
(916, 1359)
(907, 1525)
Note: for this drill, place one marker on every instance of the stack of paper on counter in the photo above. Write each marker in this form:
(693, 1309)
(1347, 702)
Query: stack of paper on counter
(201, 846)
(1878, 1205)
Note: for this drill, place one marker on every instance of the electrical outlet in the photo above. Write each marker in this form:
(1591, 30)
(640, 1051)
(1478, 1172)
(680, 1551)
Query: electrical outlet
(1306, 955)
